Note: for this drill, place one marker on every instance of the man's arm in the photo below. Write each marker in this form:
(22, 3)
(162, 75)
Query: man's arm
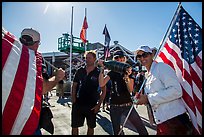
(103, 80)
(102, 96)
(130, 84)
(73, 93)
(52, 82)
(128, 80)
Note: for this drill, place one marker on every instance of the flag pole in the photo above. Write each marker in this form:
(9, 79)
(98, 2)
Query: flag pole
(166, 34)
(85, 33)
(105, 47)
(70, 55)
(50, 64)
(168, 30)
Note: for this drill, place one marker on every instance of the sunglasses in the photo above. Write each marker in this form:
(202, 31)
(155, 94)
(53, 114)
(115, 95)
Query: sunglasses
(117, 57)
(144, 55)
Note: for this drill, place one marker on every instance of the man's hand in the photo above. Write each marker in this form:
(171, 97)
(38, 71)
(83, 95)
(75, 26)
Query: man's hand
(127, 74)
(60, 74)
(142, 99)
(96, 108)
(128, 71)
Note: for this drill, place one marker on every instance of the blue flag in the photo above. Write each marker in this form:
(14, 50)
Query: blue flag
(106, 43)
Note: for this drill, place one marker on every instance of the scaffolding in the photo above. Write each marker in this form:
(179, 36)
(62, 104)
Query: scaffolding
(64, 44)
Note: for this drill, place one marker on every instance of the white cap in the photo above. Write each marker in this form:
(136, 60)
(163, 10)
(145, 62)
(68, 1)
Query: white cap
(144, 48)
(35, 35)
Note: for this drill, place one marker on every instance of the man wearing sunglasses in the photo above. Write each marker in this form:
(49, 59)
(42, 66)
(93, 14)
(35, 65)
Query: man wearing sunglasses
(120, 98)
(163, 93)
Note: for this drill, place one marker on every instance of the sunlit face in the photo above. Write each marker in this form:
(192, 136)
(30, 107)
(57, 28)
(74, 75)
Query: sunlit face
(90, 59)
(145, 58)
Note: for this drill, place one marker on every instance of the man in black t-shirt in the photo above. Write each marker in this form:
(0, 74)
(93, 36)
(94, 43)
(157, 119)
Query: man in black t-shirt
(120, 99)
(85, 96)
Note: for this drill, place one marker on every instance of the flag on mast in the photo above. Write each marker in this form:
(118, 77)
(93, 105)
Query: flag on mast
(106, 43)
(183, 52)
(83, 31)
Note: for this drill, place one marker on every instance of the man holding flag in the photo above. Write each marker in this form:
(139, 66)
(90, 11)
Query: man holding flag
(23, 83)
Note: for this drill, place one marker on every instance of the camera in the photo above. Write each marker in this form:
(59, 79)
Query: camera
(115, 66)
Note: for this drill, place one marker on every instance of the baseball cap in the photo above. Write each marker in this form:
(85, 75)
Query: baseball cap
(144, 48)
(35, 35)
(118, 53)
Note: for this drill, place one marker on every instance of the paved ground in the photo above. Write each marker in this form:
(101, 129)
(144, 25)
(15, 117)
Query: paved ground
(61, 110)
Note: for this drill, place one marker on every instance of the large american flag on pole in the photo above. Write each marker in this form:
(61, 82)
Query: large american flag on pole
(21, 87)
(183, 52)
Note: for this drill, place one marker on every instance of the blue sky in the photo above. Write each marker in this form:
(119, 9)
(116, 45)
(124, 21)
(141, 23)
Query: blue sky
(130, 23)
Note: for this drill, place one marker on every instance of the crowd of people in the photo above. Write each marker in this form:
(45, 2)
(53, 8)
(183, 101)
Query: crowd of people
(118, 92)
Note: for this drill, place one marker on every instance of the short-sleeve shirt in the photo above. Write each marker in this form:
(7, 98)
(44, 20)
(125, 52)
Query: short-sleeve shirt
(87, 87)
(119, 91)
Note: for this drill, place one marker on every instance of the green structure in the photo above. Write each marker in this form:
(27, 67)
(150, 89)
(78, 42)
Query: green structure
(64, 44)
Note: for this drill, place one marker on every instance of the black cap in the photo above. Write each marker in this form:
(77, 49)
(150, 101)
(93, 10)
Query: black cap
(118, 53)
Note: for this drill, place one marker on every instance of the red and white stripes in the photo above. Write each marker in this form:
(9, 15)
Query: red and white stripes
(21, 87)
(190, 78)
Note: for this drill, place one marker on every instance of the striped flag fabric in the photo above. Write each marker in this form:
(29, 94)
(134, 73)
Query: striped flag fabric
(183, 52)
(107, 42)
(21, 87)
(83, 31)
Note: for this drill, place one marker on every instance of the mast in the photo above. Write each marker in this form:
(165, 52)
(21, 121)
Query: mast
(71, 44)
(85, 33)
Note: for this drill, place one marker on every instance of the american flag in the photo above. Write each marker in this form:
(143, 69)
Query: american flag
(83, 31)
(183, 52)
(21, 87)
(106, 43)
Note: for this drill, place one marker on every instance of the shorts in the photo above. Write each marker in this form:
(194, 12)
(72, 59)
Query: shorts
(179, 125)
(79, 113)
